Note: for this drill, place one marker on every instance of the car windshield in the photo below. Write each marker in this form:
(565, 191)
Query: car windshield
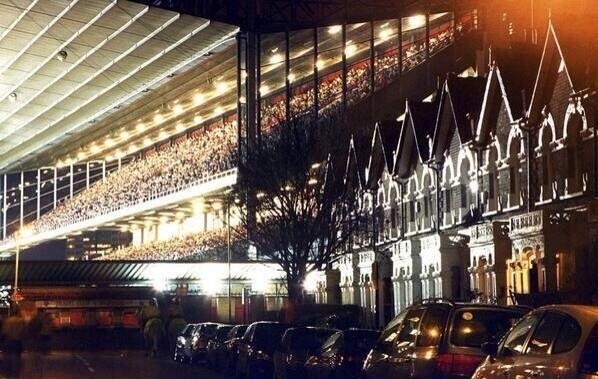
(359, 342)
(309, 339)
(239, 331)
(188, 330)
(269, 335)
(222, 332)
(208, 329)
(473, 327)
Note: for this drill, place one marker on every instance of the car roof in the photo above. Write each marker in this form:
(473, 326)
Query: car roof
(583, 312)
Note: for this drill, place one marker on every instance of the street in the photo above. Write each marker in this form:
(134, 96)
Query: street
(104, 364)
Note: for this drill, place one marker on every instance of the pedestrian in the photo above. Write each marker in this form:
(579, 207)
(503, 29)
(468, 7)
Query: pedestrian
(13, 329)
(153, 332)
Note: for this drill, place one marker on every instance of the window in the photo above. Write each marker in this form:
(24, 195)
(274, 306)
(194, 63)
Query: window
(432, 326)
(329, 347)
(411, 211)
(512, 179)
(473, 327)
(491, 185)
(515, 340)
(588, 363)
(407, 332)
(447, 200)
(389, 334)
(571, 161)
(393, 217)
(568, 337)
(544, 334)
(463, 191)
(544, 168)
(426, 205)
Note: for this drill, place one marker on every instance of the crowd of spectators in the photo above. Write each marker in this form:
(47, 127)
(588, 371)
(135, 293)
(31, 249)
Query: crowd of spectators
(201, 246)
(168, 170)
(358, 83)
(214, 150)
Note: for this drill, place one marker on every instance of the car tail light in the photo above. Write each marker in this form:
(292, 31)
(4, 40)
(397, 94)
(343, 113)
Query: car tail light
(457, 364)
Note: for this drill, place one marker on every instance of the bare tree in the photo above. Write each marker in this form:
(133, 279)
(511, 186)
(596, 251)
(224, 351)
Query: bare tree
(296, 209)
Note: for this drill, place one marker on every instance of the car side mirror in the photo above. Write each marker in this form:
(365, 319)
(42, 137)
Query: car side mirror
(490, 348)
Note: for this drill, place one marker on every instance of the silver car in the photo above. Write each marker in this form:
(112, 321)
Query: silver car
(555, 341)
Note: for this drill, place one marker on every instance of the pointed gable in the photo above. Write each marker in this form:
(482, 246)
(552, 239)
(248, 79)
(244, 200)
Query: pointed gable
(460, 99)
(569, 59)
(384, 142)
(353, 179)
(418, 125)
(510, 80)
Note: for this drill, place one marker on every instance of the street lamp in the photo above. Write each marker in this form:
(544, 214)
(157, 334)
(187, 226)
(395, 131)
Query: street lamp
(23, 232)
(226, 200)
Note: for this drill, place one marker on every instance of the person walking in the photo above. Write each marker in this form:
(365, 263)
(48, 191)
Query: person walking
(13, 330)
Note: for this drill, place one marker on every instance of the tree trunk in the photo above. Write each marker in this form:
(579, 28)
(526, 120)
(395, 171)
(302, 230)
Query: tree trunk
(294, 297)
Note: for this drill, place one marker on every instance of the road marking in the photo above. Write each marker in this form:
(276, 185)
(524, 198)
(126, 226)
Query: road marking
(86, 363)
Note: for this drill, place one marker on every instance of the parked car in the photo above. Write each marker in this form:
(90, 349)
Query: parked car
(438, 339)
(555, 341)
(260, 341)
(297, 345)
(231, 347)
(183, 349)
(341, 355)
(216, 348)
(199, 341)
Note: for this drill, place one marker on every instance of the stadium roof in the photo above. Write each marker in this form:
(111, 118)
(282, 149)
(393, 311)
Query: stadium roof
(283, 15)
(64, 65)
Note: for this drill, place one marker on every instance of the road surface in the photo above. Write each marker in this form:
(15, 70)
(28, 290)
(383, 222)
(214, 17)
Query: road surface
(102, 364)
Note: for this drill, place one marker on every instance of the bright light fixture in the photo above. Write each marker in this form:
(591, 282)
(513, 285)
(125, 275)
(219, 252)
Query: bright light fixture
(94, 149)
(147, 142)
(276, 58)
(198, 98)
(197, 119)
(319, 64)
(158, 118)
(218, 110)
(221, 87)
(109, 142)
(385, 34)
(124, 135)
(335, 29)
(163, 134)
(350, 49)
(264, 89)
(180, 127)
(177, 109)
(415, 22)
(291, 77)
(140, 127)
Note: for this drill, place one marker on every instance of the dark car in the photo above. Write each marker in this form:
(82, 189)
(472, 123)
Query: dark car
(296, 346)
(438, 339)
(199, 341)
(256, 348)
(231, 347)
(183, 349)
(342, 354)
(216, 348)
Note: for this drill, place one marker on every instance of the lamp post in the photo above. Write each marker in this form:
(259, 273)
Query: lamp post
(226, 199)
(18, 235)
